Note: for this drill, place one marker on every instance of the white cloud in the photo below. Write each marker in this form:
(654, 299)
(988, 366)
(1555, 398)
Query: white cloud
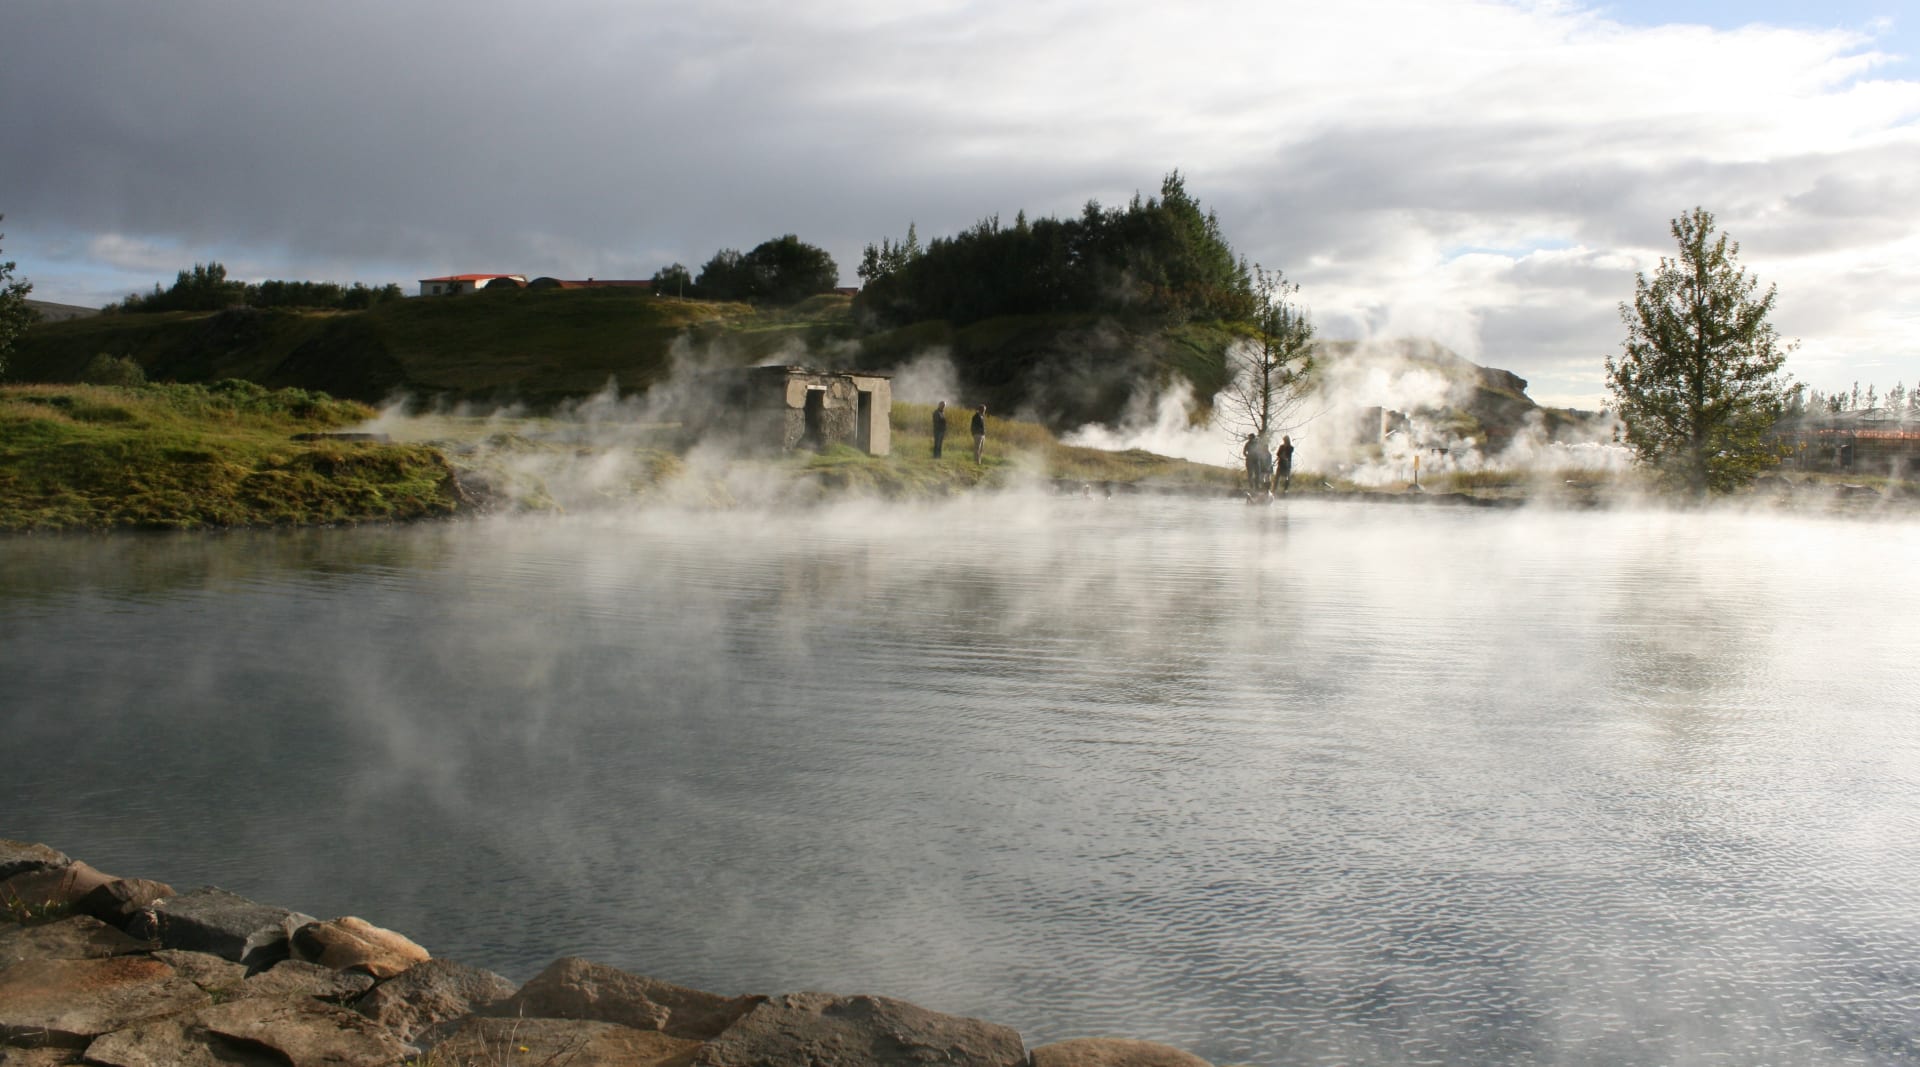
(1361, 147)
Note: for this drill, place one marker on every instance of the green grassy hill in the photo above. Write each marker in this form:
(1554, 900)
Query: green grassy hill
(542, 347)
(188, 456)
(528, 346)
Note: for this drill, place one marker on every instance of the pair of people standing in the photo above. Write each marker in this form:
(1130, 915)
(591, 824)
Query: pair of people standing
(1264, 470)
(979, 430)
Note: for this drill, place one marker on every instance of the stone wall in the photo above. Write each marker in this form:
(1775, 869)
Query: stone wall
(125, 972)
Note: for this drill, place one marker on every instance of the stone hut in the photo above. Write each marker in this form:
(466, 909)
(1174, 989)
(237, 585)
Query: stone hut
(798, 407)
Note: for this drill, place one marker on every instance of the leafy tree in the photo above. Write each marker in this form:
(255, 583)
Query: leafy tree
(107, 369)
(15, 315)
(1271, 370)
(206, 288)
(780, 271)
(787, 269)
(723, 277)
(672, 280)
(1697, 383)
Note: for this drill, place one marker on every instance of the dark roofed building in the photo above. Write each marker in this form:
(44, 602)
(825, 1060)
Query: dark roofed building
(545, 282)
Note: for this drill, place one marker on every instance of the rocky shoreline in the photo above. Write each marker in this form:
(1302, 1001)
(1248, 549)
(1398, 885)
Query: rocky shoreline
(126, 972)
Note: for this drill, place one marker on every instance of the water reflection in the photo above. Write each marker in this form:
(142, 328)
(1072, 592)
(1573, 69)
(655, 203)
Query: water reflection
(1316, 783)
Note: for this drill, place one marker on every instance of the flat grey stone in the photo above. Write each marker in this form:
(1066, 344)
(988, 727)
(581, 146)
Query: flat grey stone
(37, 1057)
(809, 1029)
(225, 924)
(20, 857)
(176, 1041)
(79, 937)
(1112, 1052)
(429, 993)
(297, 978)
(211, 973)
(306, 1032)
(68, 1003)
(573, 988)
(574, 1042)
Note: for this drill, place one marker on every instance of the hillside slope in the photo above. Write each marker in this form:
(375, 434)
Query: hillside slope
(526, 346)
(540, 348)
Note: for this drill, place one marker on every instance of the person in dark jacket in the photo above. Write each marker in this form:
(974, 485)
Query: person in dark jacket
(939, 427)
(979, 433)
(1283, 462)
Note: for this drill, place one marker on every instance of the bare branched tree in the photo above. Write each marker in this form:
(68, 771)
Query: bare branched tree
(1271, 369)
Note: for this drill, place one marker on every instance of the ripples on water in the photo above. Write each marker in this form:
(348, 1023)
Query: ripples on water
(1310, 784)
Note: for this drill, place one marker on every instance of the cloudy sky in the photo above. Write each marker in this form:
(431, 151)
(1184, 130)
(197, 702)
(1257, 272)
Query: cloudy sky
(1490, 174)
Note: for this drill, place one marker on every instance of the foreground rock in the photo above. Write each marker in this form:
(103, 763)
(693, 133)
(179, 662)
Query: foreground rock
(223, 924)
(436, 991)
(807, 1029)
(573, 988)
(78, 938)
(141, 977)
(1112, 1052)
(68, 1003)
(351, 943)
(574, 1042)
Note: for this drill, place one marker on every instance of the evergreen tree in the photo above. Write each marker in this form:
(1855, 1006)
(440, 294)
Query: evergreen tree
(15, 315)
(1697, 383)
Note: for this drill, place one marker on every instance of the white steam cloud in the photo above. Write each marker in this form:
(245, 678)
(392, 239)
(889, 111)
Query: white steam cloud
(1382, 413)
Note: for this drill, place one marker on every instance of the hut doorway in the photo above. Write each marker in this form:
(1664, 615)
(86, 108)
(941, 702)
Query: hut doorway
(813, 434)
(863, 422)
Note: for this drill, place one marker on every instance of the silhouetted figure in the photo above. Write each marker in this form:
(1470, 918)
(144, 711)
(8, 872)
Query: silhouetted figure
(939, 427)
(1283, 462)
(979, 433)
(1255, 451)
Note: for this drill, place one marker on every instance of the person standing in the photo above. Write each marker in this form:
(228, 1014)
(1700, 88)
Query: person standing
(939, 427)
(1255, 450)
(1283, 462)
(979, 433)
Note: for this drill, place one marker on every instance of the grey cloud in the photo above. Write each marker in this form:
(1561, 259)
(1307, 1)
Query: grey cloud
(610, 138)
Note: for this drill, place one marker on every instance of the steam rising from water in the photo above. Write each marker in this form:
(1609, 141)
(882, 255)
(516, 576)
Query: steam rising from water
(1320, 783)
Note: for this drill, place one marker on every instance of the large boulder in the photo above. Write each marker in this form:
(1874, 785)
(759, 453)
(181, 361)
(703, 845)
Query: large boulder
(54, 888)
(433, 992)
(221, 977)
(306, 1032)
(574, 1042)
(20, 857)
(222, 923)
(805, 1029)
(349, 943)
(297, 978)
(254, 1032)
(38, 1057)
(70, 1002)
(79, 937)
(120, 901)
(176, 1041)
(573, 988)
(1112, 1052)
